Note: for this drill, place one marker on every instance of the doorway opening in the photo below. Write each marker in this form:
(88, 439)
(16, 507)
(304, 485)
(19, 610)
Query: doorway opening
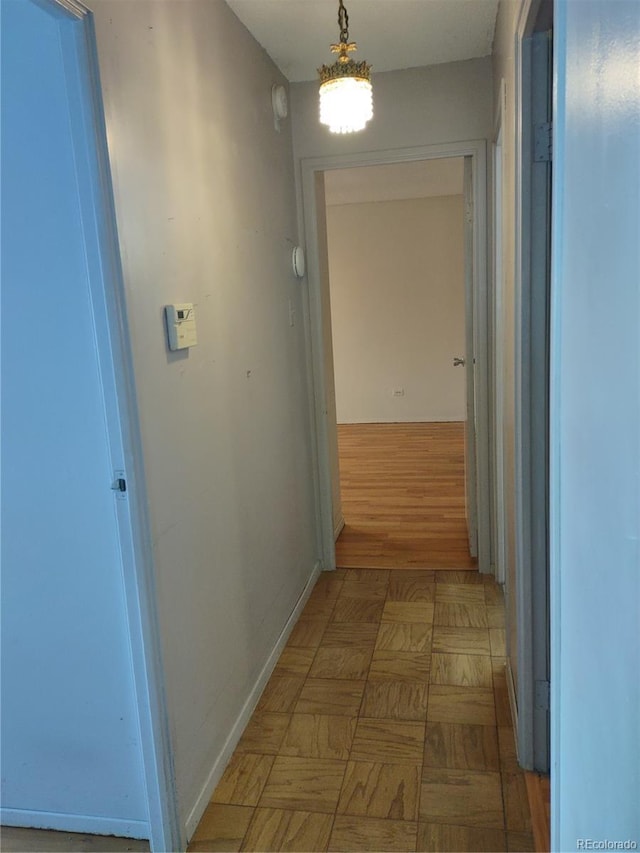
(317, 178)
(396, 259)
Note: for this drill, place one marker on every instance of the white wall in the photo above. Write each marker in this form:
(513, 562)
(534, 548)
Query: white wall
(595, 368)
(418, 106)
(205, 204)
(397, 307)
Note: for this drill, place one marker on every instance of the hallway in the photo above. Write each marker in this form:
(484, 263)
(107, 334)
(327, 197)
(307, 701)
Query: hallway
(385, 726)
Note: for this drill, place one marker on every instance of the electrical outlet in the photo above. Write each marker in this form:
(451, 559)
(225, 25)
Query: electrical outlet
(398, 392)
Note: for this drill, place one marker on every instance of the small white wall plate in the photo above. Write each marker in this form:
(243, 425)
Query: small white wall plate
(298, 262)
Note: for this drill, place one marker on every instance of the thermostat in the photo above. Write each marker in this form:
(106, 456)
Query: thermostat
(181, 325)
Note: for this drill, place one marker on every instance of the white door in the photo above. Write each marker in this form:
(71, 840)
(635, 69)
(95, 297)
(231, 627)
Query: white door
(73, 725)
(470, 425)
(595, 441)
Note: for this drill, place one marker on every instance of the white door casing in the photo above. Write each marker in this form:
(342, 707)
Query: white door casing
(528, 656)
(497, 337)
(470, 461)
(322, 427)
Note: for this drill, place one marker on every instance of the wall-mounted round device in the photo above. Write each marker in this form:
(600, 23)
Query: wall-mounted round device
(298, 262)
(280, 104)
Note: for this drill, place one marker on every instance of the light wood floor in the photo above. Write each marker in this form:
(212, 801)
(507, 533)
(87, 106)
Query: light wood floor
(385, 726)
(403, 496)
(539, 791)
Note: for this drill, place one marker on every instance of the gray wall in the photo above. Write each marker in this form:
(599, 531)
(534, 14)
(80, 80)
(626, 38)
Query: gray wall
(419, 106)
(205, 204)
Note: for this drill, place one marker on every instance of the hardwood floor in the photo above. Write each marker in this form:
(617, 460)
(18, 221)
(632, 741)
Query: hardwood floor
(383, 727)
(403, 498)
(539, 791)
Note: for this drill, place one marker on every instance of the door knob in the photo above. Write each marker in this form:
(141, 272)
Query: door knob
(459, 362)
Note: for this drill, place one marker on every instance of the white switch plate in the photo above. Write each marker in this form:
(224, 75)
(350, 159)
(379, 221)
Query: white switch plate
(181, 325)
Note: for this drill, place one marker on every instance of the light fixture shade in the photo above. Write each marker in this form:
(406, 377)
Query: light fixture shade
(346, 103)
(346, 97)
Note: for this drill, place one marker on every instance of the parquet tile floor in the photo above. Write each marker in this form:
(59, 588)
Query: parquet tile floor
(385, 726)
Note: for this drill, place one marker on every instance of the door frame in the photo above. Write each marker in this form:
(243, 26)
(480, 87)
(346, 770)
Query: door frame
(315, 323)
(530, 690)
(470, 441)
(497, 345)
(106, 287)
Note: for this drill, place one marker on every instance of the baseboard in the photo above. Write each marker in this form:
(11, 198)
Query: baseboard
(513, 703)
(374, 421)
(244, 716)
(338, 527)
(87, 824)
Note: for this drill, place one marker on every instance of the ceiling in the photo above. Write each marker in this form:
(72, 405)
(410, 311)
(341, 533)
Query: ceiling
(391, 34)
(395, 181)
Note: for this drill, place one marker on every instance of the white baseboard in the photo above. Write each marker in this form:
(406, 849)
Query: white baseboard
(244, 716)
(338, 527)
(87, 824)
(513, 702)
(429, 420)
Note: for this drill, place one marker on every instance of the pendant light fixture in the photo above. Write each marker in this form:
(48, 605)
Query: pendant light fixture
(346, 99)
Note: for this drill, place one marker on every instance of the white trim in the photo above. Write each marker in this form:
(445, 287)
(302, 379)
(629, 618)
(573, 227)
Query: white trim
(64, 9)
(74, 7)
(555, 405)
(116, 367)
(470, 349)
(499, 527)
(313, 322)
(477, 149)
(215, 774)
(338, 527)
(522, 593)
(429, 420)
(513, 702)
(526, 375)
(88, 824)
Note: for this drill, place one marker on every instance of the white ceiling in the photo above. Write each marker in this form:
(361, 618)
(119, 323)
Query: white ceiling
(420, 179)
(391, 34)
